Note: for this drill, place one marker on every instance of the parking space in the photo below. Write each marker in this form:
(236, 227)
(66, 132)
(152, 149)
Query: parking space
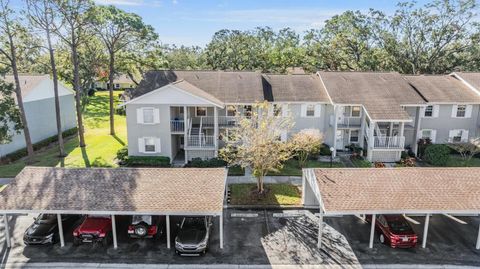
(265, 238)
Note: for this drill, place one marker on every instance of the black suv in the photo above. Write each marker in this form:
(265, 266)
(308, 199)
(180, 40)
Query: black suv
(44, 229)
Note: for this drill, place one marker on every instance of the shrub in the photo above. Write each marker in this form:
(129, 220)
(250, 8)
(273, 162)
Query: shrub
(100, 162)
(354, 149)
(423, 144)
(122, 154)
(146, 161)
(213, 162)
(379, 165)
(325, 150)
(407, 162)
(437, 154)
(16, 155)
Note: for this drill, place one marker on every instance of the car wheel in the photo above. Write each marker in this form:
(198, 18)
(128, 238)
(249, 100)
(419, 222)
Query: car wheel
(382, 239)
(141, 230)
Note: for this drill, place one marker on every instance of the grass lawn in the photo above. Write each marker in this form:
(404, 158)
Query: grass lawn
(456, 161)
(276, 194)
(361, 163)
(236, 171)
(101, 147)
(292, 167)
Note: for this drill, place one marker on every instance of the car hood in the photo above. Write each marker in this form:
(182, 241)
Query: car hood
(191, 236)
(40, 229)
(94, 225)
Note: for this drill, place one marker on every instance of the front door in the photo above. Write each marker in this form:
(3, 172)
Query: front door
(339, 140)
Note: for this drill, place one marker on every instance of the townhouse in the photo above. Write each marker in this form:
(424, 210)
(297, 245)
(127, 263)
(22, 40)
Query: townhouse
(187, 114)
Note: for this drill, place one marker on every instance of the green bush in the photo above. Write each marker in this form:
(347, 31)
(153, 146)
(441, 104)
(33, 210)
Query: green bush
(437, 154)
(146, 161)
(100, 162)
(325, 150)
(122, 154)
(198, 162)
(16, 155)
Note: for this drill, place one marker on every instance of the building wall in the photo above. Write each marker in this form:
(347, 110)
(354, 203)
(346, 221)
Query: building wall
(42, 121)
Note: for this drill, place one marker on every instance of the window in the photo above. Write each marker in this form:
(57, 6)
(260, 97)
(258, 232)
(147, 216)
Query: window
(117, 86)
(201, 111)
(310, 112)
(355, 111)
(461, 111)
(426, 134)
(458, 135)
(428, 111)
(231, 111)
(354, 136)
(150, 146)
(247, 111)
(277, 110)
(148, 116)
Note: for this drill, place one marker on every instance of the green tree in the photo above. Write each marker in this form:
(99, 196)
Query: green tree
(10, 117)
(184, 58)
(119, 31)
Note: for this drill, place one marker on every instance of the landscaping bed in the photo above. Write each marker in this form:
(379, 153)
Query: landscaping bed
(275, 194)
(292, 167)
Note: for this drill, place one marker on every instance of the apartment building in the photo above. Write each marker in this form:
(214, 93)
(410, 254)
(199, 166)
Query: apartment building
(188, 114)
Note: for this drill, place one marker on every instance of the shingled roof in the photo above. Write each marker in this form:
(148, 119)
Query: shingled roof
(27, 82)
(296, 88)
(381, 93)
(181, 191)
(399, 190)
(443, 89)
(472, 78)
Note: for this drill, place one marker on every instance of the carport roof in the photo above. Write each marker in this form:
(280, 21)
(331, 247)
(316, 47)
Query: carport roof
(399, 190)
(162, 191)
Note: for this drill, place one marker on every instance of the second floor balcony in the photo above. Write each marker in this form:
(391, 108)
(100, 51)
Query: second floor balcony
(389, 142)
(200, 141)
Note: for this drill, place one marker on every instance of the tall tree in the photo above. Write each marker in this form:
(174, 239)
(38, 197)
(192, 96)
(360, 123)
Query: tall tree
(10, 118)
(9, 29)
(119, 30)
(74, 13)
(41, 16)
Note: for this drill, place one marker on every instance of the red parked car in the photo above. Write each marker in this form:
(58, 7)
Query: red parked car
(94, 229)
(146, 226)
(395, 231)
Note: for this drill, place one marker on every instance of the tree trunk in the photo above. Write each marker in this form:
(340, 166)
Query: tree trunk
(78, 91)
(260, 184)
(18, 92)
(110, 89)
(57, 99)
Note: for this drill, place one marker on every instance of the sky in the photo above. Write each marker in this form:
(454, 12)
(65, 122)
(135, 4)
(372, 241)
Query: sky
(193, 22)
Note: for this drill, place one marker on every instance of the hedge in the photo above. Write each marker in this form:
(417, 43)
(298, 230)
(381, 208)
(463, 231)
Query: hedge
(16, 155)
(149, 161)
(214, 162)
(437, 154)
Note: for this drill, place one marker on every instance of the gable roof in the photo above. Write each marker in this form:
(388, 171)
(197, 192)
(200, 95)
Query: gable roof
(295, 88)
(228, 87)
(443, 89)
(27, 82)
(192, 89)
(381, 93)
(472, 78)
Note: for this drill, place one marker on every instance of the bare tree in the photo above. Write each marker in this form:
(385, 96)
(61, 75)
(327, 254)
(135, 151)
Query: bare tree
(42, 17)
(74, 14)
(256, 142)
(9, 27)
(467, 149)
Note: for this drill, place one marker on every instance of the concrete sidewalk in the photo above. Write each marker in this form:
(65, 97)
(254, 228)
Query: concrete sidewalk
(5, 180)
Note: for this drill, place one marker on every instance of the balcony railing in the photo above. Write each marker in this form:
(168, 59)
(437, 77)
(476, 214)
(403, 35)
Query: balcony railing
(389, 142)
(209, 121)
(200, 141)
(177, 125)
(350, 122)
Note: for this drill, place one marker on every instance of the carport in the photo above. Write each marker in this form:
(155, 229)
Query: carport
(375, 191)
(116, 191)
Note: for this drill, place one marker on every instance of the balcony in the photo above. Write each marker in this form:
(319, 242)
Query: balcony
(349, 122)
(209, 121)
(200, 141)
(177, 126)
(389, 142)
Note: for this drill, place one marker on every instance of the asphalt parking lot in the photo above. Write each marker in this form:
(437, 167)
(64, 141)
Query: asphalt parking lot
(266, 239)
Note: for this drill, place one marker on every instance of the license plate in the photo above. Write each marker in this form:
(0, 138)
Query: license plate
(405, 239)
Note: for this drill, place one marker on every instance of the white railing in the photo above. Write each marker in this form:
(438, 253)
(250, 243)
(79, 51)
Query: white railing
(177, 125)
(200, 141)
(389, 142)
(350, 121)
(209, 121)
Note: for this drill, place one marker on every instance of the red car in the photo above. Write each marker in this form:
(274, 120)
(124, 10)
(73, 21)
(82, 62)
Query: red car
(146, 226)
(395, 231)
(94, 229)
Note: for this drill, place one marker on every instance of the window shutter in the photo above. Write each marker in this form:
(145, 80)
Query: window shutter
(139, 115)
(303, 112)
(454, 111)
(317, 110)
(468, 111)
(422, 112)
(284, 110)
(464, 135)
(141, 145)
(436, 109)
(156, 115)
(433, 135)
(158, 147)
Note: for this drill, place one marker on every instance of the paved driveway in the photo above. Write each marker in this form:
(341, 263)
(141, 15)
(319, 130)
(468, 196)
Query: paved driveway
(267, 239)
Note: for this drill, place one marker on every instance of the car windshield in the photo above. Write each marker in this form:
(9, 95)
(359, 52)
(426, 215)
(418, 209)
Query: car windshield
(399, 226)
(141, 218)
(196, 223)
(46, 219)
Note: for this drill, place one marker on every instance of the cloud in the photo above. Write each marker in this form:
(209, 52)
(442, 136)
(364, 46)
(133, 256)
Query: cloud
(128, 2)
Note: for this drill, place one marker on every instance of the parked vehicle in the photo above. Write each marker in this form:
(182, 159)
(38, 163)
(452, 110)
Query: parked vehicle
(44, 229)
(193, 235)
(146, 226)
(94, 229)
(395, 231)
